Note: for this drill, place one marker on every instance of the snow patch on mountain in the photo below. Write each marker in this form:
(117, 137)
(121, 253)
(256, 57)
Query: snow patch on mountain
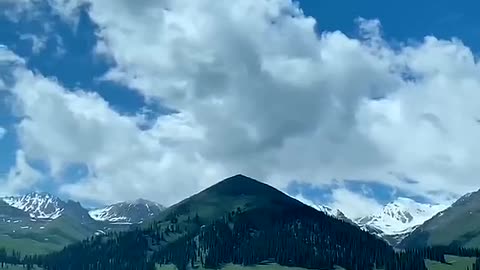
(37, 205)
(106, 214)
(400, 217)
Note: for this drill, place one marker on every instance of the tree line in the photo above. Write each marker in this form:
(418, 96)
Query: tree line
(13, 257)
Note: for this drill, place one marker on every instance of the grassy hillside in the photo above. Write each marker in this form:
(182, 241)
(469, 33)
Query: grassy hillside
(36, 237)
(42, 236)
(453, 263)
(45, 236)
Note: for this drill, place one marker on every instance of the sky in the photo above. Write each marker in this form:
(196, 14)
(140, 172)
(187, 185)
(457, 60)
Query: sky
(347, 104)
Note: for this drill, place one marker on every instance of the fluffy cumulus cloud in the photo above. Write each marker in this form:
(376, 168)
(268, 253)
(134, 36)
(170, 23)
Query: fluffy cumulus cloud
(65, 128)
(21, 177)
(354, 205)
(257, 91)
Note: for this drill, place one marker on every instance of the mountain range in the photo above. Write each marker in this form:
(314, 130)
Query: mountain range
(39, 222)
(47, 223)
(239, 220)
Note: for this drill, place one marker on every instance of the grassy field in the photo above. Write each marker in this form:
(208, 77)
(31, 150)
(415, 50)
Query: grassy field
(27, 246)
(18, 267)
(453, 263)
(39, 237)
(271, 266)
(45, 236)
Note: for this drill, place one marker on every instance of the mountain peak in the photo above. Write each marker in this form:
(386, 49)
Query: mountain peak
(40, 205)
(130, 212)
(399, 217)
(143, 202)
(241, 185)
(39, 194)
(240, 178)
(239, 175)
(236, 193)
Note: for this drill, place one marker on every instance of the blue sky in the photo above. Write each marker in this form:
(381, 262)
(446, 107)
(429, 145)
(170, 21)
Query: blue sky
(68, 55)
(404, 20)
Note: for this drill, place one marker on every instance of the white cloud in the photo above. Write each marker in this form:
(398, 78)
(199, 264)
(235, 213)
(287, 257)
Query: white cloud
(354, 205)
(124, 162)
(265, 96)
(3, 131)
(286, 103)
(264, 92)
(8, 58)
(21, 177)
(16, 10)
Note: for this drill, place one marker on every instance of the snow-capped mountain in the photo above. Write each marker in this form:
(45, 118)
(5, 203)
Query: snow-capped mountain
(41, 205)
(127, 212)
(399, 218)
(38, 205)
(396, 220)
